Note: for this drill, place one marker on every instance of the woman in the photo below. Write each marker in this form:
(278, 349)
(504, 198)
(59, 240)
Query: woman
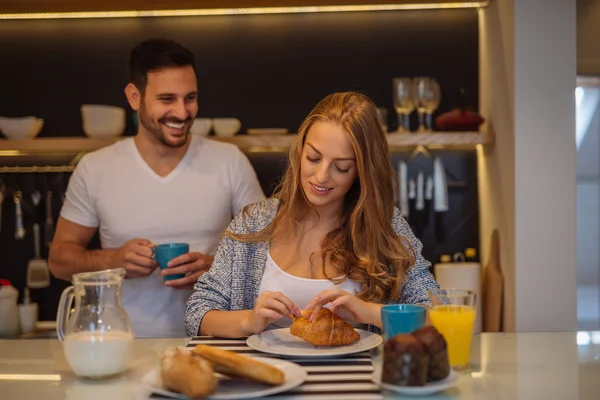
(330, 235)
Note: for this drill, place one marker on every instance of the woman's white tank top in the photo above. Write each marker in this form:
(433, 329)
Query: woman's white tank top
(300, 290)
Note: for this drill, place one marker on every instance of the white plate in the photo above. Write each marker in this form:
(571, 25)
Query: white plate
(430, 388)
(233, 389)
(283, 343)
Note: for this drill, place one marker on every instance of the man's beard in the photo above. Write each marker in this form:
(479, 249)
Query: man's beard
(155, 128)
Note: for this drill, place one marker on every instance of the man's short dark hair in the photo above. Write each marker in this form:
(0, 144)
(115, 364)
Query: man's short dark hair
(153, 54)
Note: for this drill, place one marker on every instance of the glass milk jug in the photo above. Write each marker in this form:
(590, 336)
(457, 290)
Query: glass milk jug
(97, 335)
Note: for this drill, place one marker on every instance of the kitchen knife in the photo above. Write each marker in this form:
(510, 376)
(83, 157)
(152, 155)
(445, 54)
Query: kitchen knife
(419, 206)
(403, 189)
(412, 197)
(440, 198)
(428, 199)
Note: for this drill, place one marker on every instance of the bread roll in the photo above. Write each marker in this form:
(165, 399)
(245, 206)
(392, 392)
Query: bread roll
(184, 373)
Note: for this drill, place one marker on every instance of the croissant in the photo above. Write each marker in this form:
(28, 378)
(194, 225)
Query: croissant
(326, 330)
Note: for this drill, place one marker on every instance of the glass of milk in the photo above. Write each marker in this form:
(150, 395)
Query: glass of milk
(96, 331)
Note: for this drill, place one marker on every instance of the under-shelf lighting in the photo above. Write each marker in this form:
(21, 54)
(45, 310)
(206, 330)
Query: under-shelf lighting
(10, 153)
(30, 377)
(243, 11)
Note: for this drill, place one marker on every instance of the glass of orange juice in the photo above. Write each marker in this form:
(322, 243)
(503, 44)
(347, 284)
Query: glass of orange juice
(453, 315)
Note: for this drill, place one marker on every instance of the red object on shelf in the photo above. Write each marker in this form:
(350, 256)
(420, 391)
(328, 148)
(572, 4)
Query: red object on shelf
(459, 119)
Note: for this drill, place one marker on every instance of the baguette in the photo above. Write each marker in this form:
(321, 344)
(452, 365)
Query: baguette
(238, 366)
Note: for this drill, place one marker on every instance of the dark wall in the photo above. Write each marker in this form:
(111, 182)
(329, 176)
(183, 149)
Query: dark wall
(448, 233)
(461, 222)
(267, 70)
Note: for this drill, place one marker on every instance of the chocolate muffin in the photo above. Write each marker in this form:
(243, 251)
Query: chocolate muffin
(404, 362)
(435, 346)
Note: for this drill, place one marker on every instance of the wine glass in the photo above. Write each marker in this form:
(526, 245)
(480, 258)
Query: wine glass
(424, 94)
(404, 102)
(428, 98)
(433, 102)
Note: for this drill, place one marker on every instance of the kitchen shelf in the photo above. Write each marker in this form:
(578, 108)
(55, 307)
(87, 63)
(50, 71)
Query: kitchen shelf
(434, 140)
(37, 169)
(440, 140)
(59, 145)
(62, 154)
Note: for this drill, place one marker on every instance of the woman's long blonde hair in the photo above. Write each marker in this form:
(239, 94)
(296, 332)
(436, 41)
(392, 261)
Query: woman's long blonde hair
(364, 248)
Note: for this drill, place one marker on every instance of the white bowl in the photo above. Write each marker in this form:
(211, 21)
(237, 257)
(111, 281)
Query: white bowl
(226, 127)
(201, 126)
(21, 128)
(102, 121)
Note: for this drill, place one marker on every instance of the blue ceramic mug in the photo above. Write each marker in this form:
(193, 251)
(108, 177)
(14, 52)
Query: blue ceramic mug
(163, 253)
(401, 318)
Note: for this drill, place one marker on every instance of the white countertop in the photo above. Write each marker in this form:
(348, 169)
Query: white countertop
(528, 366)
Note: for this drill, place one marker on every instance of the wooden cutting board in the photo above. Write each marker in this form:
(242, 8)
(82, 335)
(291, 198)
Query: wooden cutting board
(492, 288)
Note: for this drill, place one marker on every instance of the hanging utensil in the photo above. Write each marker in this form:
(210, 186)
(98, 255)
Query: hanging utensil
(428, 199)
(412, 197)
(420, 203)
(19, 230)
(49, 223)
(36, 197)
(440, 198)
(403, 190)
(419, 206)
(38, 273)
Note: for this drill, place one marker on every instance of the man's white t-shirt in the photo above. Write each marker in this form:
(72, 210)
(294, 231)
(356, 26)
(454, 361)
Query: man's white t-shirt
(114, 189)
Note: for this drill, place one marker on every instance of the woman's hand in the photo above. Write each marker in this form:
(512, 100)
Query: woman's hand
(346, 306)
(269, 307)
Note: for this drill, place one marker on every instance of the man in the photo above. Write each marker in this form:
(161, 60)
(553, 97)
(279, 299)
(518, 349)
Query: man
(160, 186)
